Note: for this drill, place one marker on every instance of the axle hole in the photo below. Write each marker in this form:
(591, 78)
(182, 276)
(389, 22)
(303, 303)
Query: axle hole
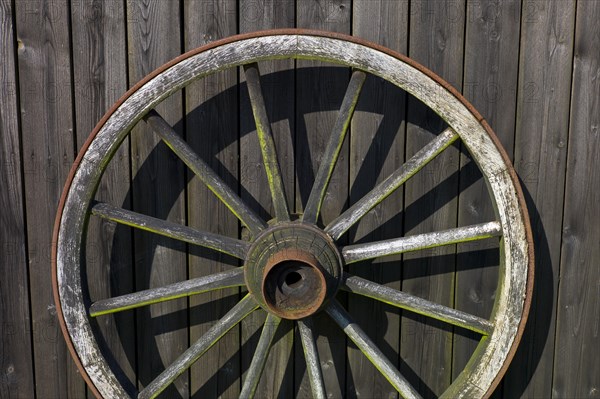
(292, 279)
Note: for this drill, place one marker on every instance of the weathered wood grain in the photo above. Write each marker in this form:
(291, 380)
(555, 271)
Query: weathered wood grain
(154, 37)
(278, 88)
(48, 150)
(211, 123)
(576, 367)
(311, 357)
(490, 83)
(321, 88)
(16, 352)
(418, 242)
(430, 199)
(217, 281)
(540, 159)
(100, 78)
(376, 150)
(266, 143)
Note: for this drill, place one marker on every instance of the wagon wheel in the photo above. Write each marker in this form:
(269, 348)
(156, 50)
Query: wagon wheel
(293, 268)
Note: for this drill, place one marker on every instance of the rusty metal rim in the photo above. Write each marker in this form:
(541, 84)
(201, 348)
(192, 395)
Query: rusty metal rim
(332, 35)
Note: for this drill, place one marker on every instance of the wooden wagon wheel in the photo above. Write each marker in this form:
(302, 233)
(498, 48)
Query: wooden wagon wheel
(293, 268)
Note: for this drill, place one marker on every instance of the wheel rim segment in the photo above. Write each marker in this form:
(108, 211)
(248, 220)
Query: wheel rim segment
(493, 354)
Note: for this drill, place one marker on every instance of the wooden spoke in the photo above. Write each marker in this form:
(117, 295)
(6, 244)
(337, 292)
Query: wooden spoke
(334, 145)
(313, 364)
(230, 278)
(372, 352)
(183, 362)
(400, 299)
(231, 246)
(267, 145)
(205, 173)
(260, 356)
(353, 214)
(355, 253)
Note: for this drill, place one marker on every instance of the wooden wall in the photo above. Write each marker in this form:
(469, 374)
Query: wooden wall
(531, 67)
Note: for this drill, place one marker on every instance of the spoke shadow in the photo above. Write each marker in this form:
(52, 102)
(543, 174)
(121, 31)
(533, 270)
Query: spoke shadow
(537, 331)
(411, 269)
(438, 198)
(307, 106)
(248, 346)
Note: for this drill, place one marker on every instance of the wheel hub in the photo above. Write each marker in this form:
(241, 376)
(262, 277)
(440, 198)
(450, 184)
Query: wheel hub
(293, 269)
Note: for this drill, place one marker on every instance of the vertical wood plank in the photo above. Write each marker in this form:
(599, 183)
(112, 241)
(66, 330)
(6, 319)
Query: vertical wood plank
(490, 84)
(540, 160)
(319, 93)
(100, 78)
(16, 360)
(48, 151)
(154, 37)
(376, 150)
(431, 199)
(214, 122)
(578, 310)
(278, 90)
